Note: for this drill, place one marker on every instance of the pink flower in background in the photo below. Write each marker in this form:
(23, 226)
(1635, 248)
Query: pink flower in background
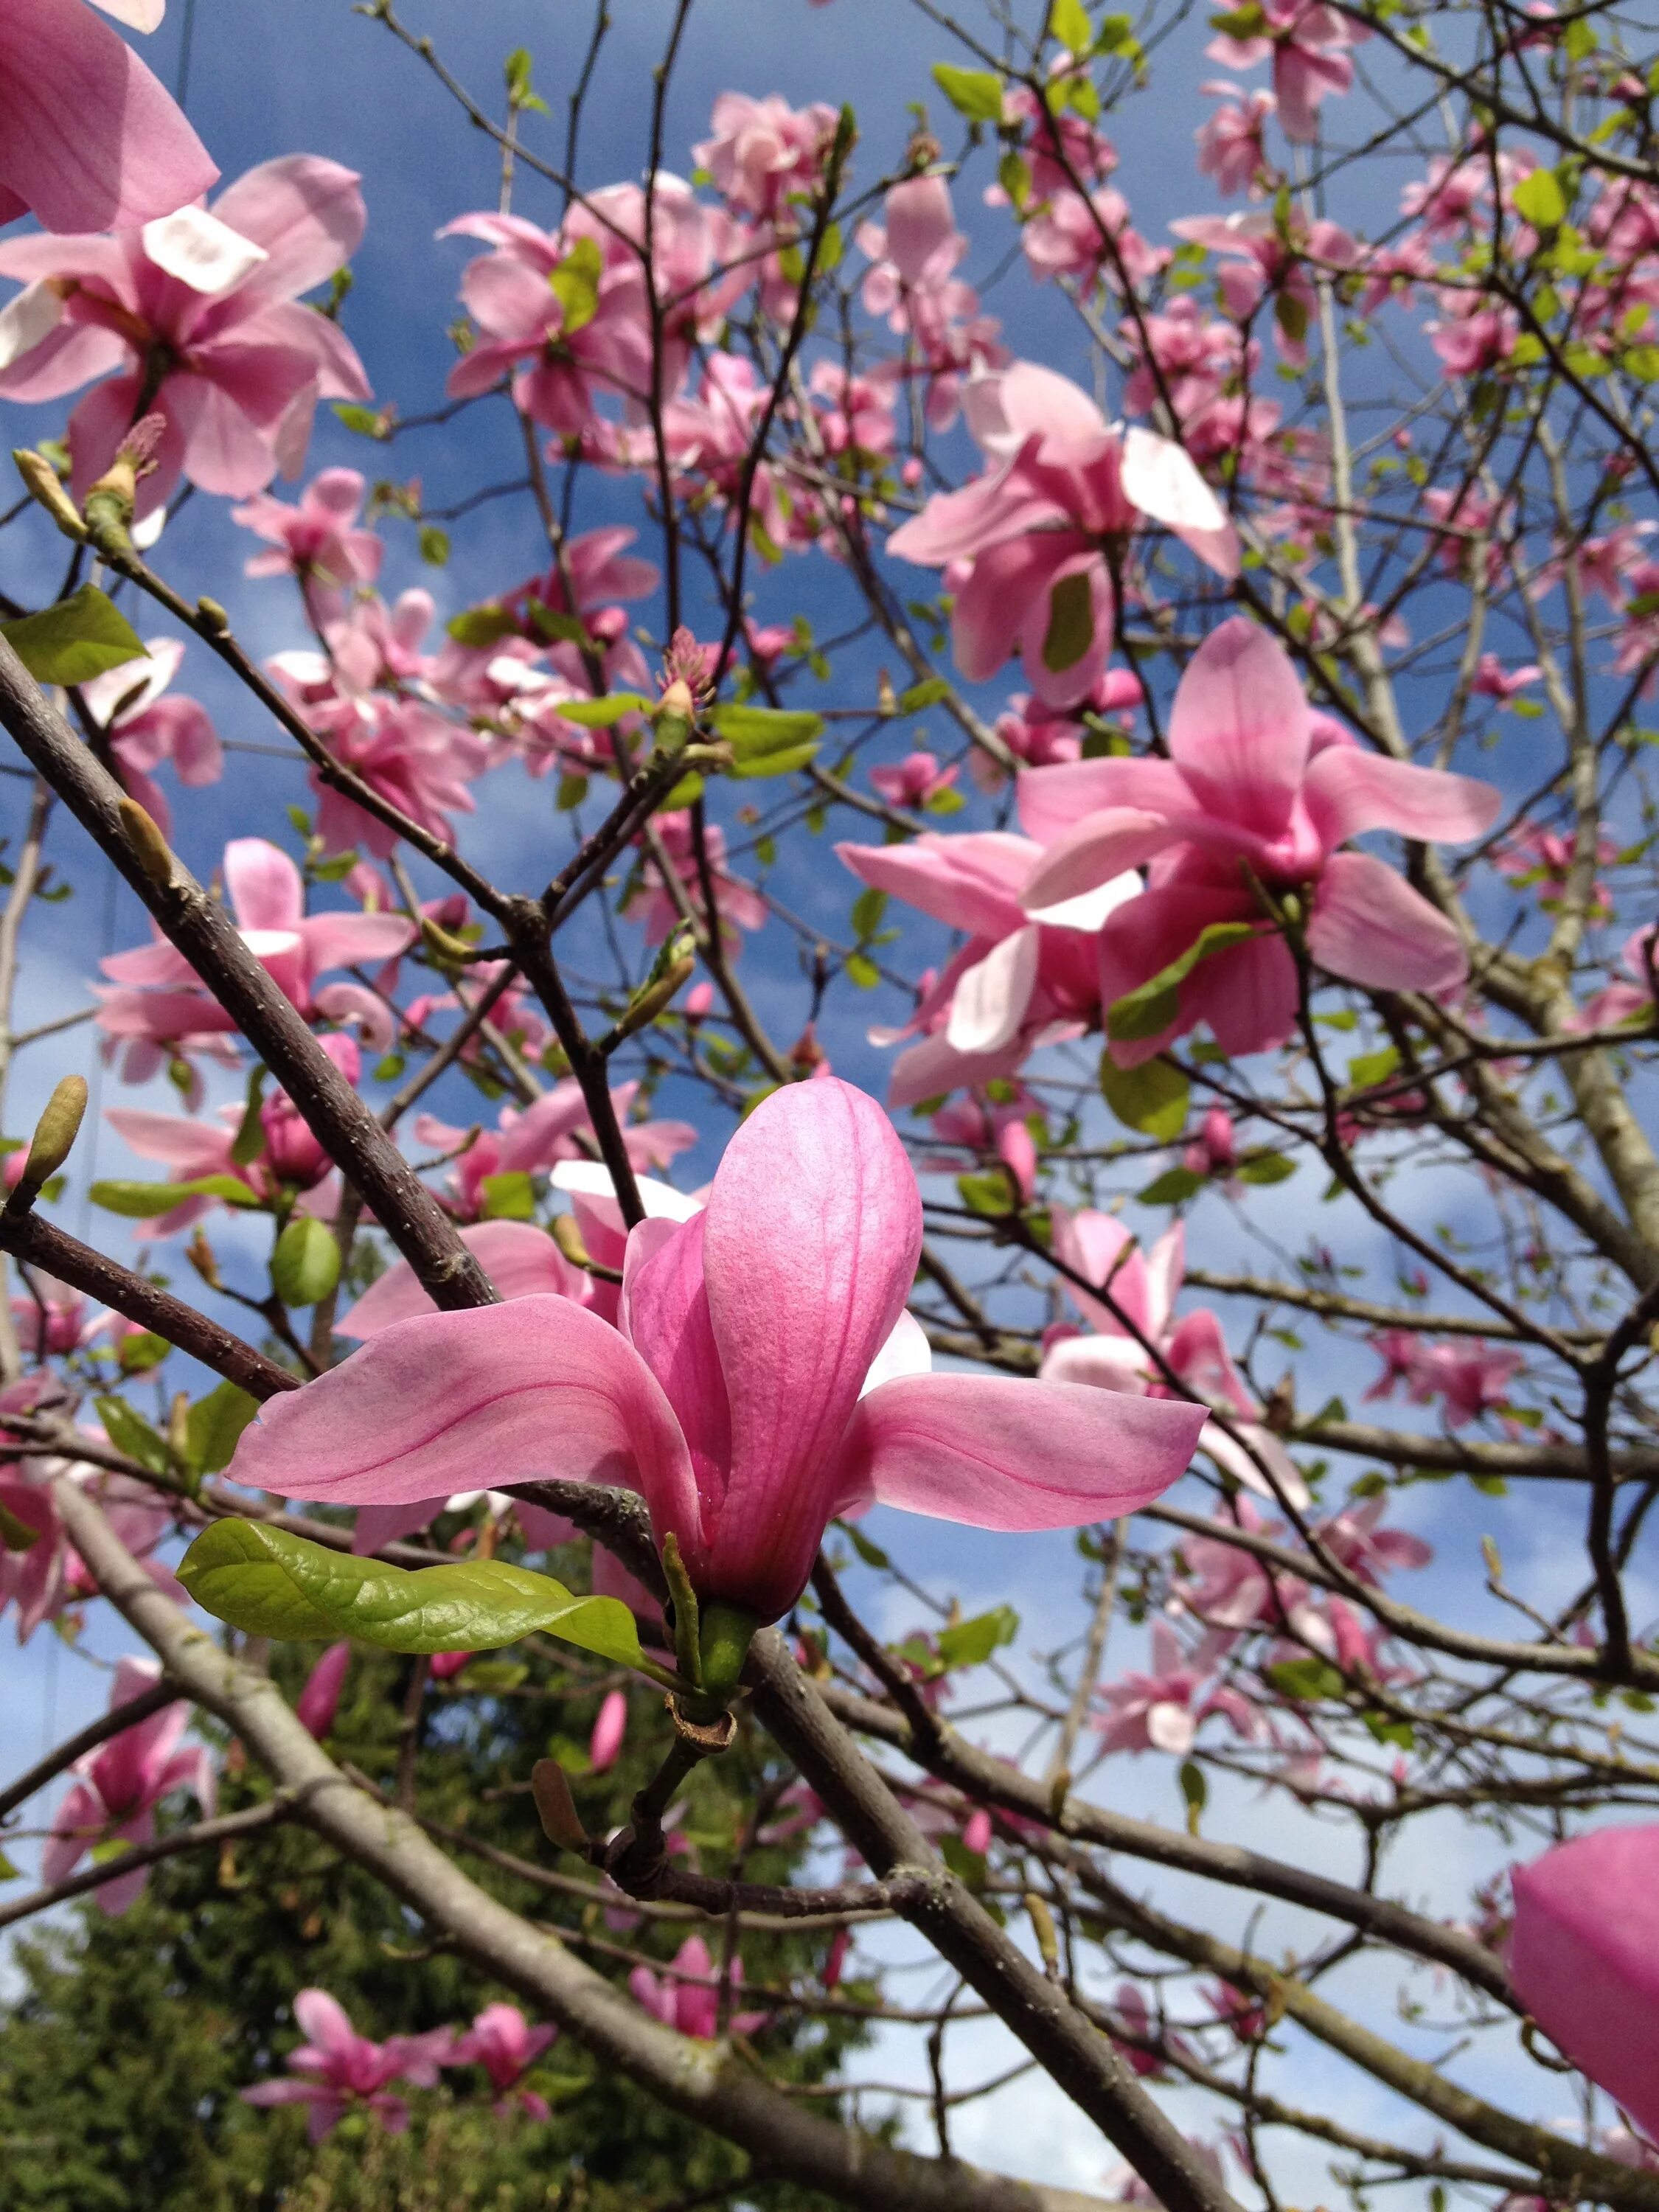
(1621, 1002)
(117, 1787)
(146, 728)
(762, 150)
(738, 1395)
(1467, 1374)
(216, 298)
(1355, 1541)
(55, 1320)
(1493, 681)
(319, 542)
(89, 139)
(685, 1997)
(741, 906)
(1137, 2024)
(153, 998)
(1098, 1248)
(319, 1700)
(1256, 785)
(1541, 860)
(915, 252)
(609, 1728)
(1259, 259)
(337, 2070)
(1308, 44)
(532, 1139)
(915, 781)
(1164, 1709)
(503, 2041)
(1584, 1958)
(1033, 531)
(1003, 1128)
(1230, 144)
(1214, 1150)
(407, 753)
(1023, 979)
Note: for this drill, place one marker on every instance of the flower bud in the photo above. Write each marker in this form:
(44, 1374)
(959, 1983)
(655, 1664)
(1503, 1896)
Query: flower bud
(54, 1135)
(45, 486)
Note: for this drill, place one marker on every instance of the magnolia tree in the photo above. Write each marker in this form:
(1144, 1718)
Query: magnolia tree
(1244, 852)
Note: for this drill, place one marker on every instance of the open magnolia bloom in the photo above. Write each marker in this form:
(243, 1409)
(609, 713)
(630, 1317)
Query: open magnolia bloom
(762, 1378)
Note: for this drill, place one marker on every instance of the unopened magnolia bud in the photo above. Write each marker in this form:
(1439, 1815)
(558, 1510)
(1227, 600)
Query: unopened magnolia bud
(556, 1807)
(1043, 1926)
(657, 994)
(676, 702)
(438, 940)
(568, 1238)
(54, 1135)
(154, 855)
(44, 485)
(213, 616)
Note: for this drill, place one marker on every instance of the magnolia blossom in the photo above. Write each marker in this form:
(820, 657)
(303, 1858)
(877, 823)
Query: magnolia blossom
(1063, 488)
(146, 728)
(89, 139)
(336, 2070)
(155, 999)
(319, 1700)
(117, 1787)
(1164, 1711)
(759, 151)
(320, 541)
(1230, 144)
(1024, 978)
(213, 302)
(1135, 1311)
(738, 1391)
(1465, 1372)
(611, 1726)
(1584, 1958)
(503, 2041)
(532, 1139)
(1308, 44)
(1261, 256)
(685, 1997)
(1258, 795)
(915, 252)
(916, 781)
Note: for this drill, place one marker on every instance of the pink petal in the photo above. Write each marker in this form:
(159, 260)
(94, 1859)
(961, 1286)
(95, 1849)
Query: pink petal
(1096, 850)
(522, 1261)
(1349, 791)
(1247, 994)
(971, 882)
(1371, 927)
(308, 213)
(994, 1453)
(192, 1147)
(347, 940)
(1239, 727)
(1026, 400)
(323, 2022)
(1099, 1363)
(1052, 800)
(988, 1006)
(449, 1401)
(1584, 1958)
(264, 885)
(920, 222)
(59, 67)
(319, 1701)
(1005, 603)
(1160, 478)
(954, 525)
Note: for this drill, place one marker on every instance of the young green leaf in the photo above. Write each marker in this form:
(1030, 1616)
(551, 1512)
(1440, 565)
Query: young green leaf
(971, 1643)
(141, 1202)
(76, 640)
(977, 93)
(1151, 1098)
(213, 1426)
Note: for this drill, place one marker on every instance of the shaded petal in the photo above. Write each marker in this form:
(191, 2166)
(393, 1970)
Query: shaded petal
(1099, 1363)
(521, 1261)
(1052, 800)
(988, 1006)
(1239, 727)
(971, 882)
(994, 1453)
(495, 1395)
(1096, 851)
(1370, 926)
(264, 884)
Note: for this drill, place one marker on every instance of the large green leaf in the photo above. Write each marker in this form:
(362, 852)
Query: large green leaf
(768, 740)
(1151, 1098)
(139, 1201)
(977, 93)
(76, 640)
(1153, 1005)
(273, 1583)
(213, 1425)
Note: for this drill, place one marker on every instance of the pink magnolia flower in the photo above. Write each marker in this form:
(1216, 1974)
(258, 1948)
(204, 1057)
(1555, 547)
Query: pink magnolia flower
(1584, 1958)
(146, 728)
(737, 1393)
(741, 906)
(1308, 44)
(1465, 1372)
(1214, 1150)
(47, 1577)
(319, 1700)
(291, 1160)
(214, 301)
(685, 1997)
(1023, 979)
(1063, 485)
(531, 1140)
(503, 2041)
(1259, 259)
(1230, 144)
(117, 1787)
(89, 139)
(608, 1730)
(1144, 1287)
(1619, 1000)
(914, 252)
(1255, 786)
(1003, 1128)
(1535, 857)
(55, 1320)
(1140, 2032)
(337, 2070)
(1369, 1552)
(915, 781)
(1164, 1709)
(762, 150)
(320, 541)
(157, 1001)
(1493, 681)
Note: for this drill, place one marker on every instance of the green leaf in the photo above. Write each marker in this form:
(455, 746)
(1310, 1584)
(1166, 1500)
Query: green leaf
(8, 1871)
(862, 970)
(928, 693)
(131, 1433)
(778, 763)
(76, 640)
(1305, 1680)
(1172, 1187)
(138, 1354)
(1539, 199)
(482, 626)
(250, 1139)
(488, 1677)
(1372, 1068)
(305, 1265)
(1194, 1788)
(508, 1197)
(1151, 1098)
(977, 93)
(1068, 20)
(141, 1202)
(434, 545)
(600, 713)
(1265, 1167)
(365, 421)
(868, 909)
(988, 1192)
(575, 285)
(871, 1554)
(760, 732)
(272, 1583)
(971, 1643)
(1071, 623)
(215, 1424)
(1144, 1011)
(15, 1535)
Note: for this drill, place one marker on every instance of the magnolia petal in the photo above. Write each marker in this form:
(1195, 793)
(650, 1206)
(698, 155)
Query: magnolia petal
(1240, 728)
(522, 1261)
(1371, 927)
(1095, 852)
(988, 1006)
(907, 1352)
(505, 1394)
(1349, 791)
(33, 315)
(992, 1452)
(1089, 909)
(1160, 478)
(200, 251)
(972, 882)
